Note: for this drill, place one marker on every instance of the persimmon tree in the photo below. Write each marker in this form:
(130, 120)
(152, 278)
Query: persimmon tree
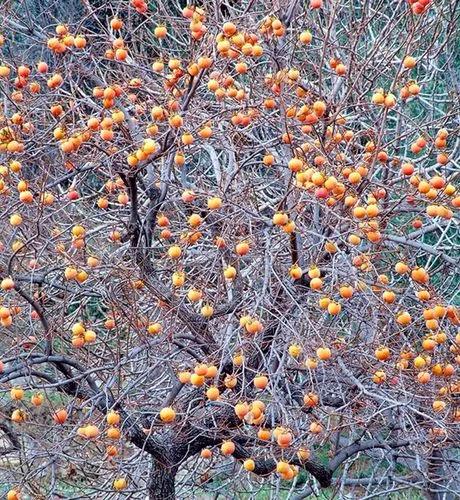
(229, 248)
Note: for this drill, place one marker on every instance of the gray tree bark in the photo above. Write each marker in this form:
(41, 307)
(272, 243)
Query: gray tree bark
(161, 485)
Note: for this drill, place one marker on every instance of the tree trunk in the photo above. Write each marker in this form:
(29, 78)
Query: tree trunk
(161, 481)
(436, 474)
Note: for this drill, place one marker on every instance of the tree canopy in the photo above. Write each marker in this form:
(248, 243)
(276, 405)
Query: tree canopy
(229, 249)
